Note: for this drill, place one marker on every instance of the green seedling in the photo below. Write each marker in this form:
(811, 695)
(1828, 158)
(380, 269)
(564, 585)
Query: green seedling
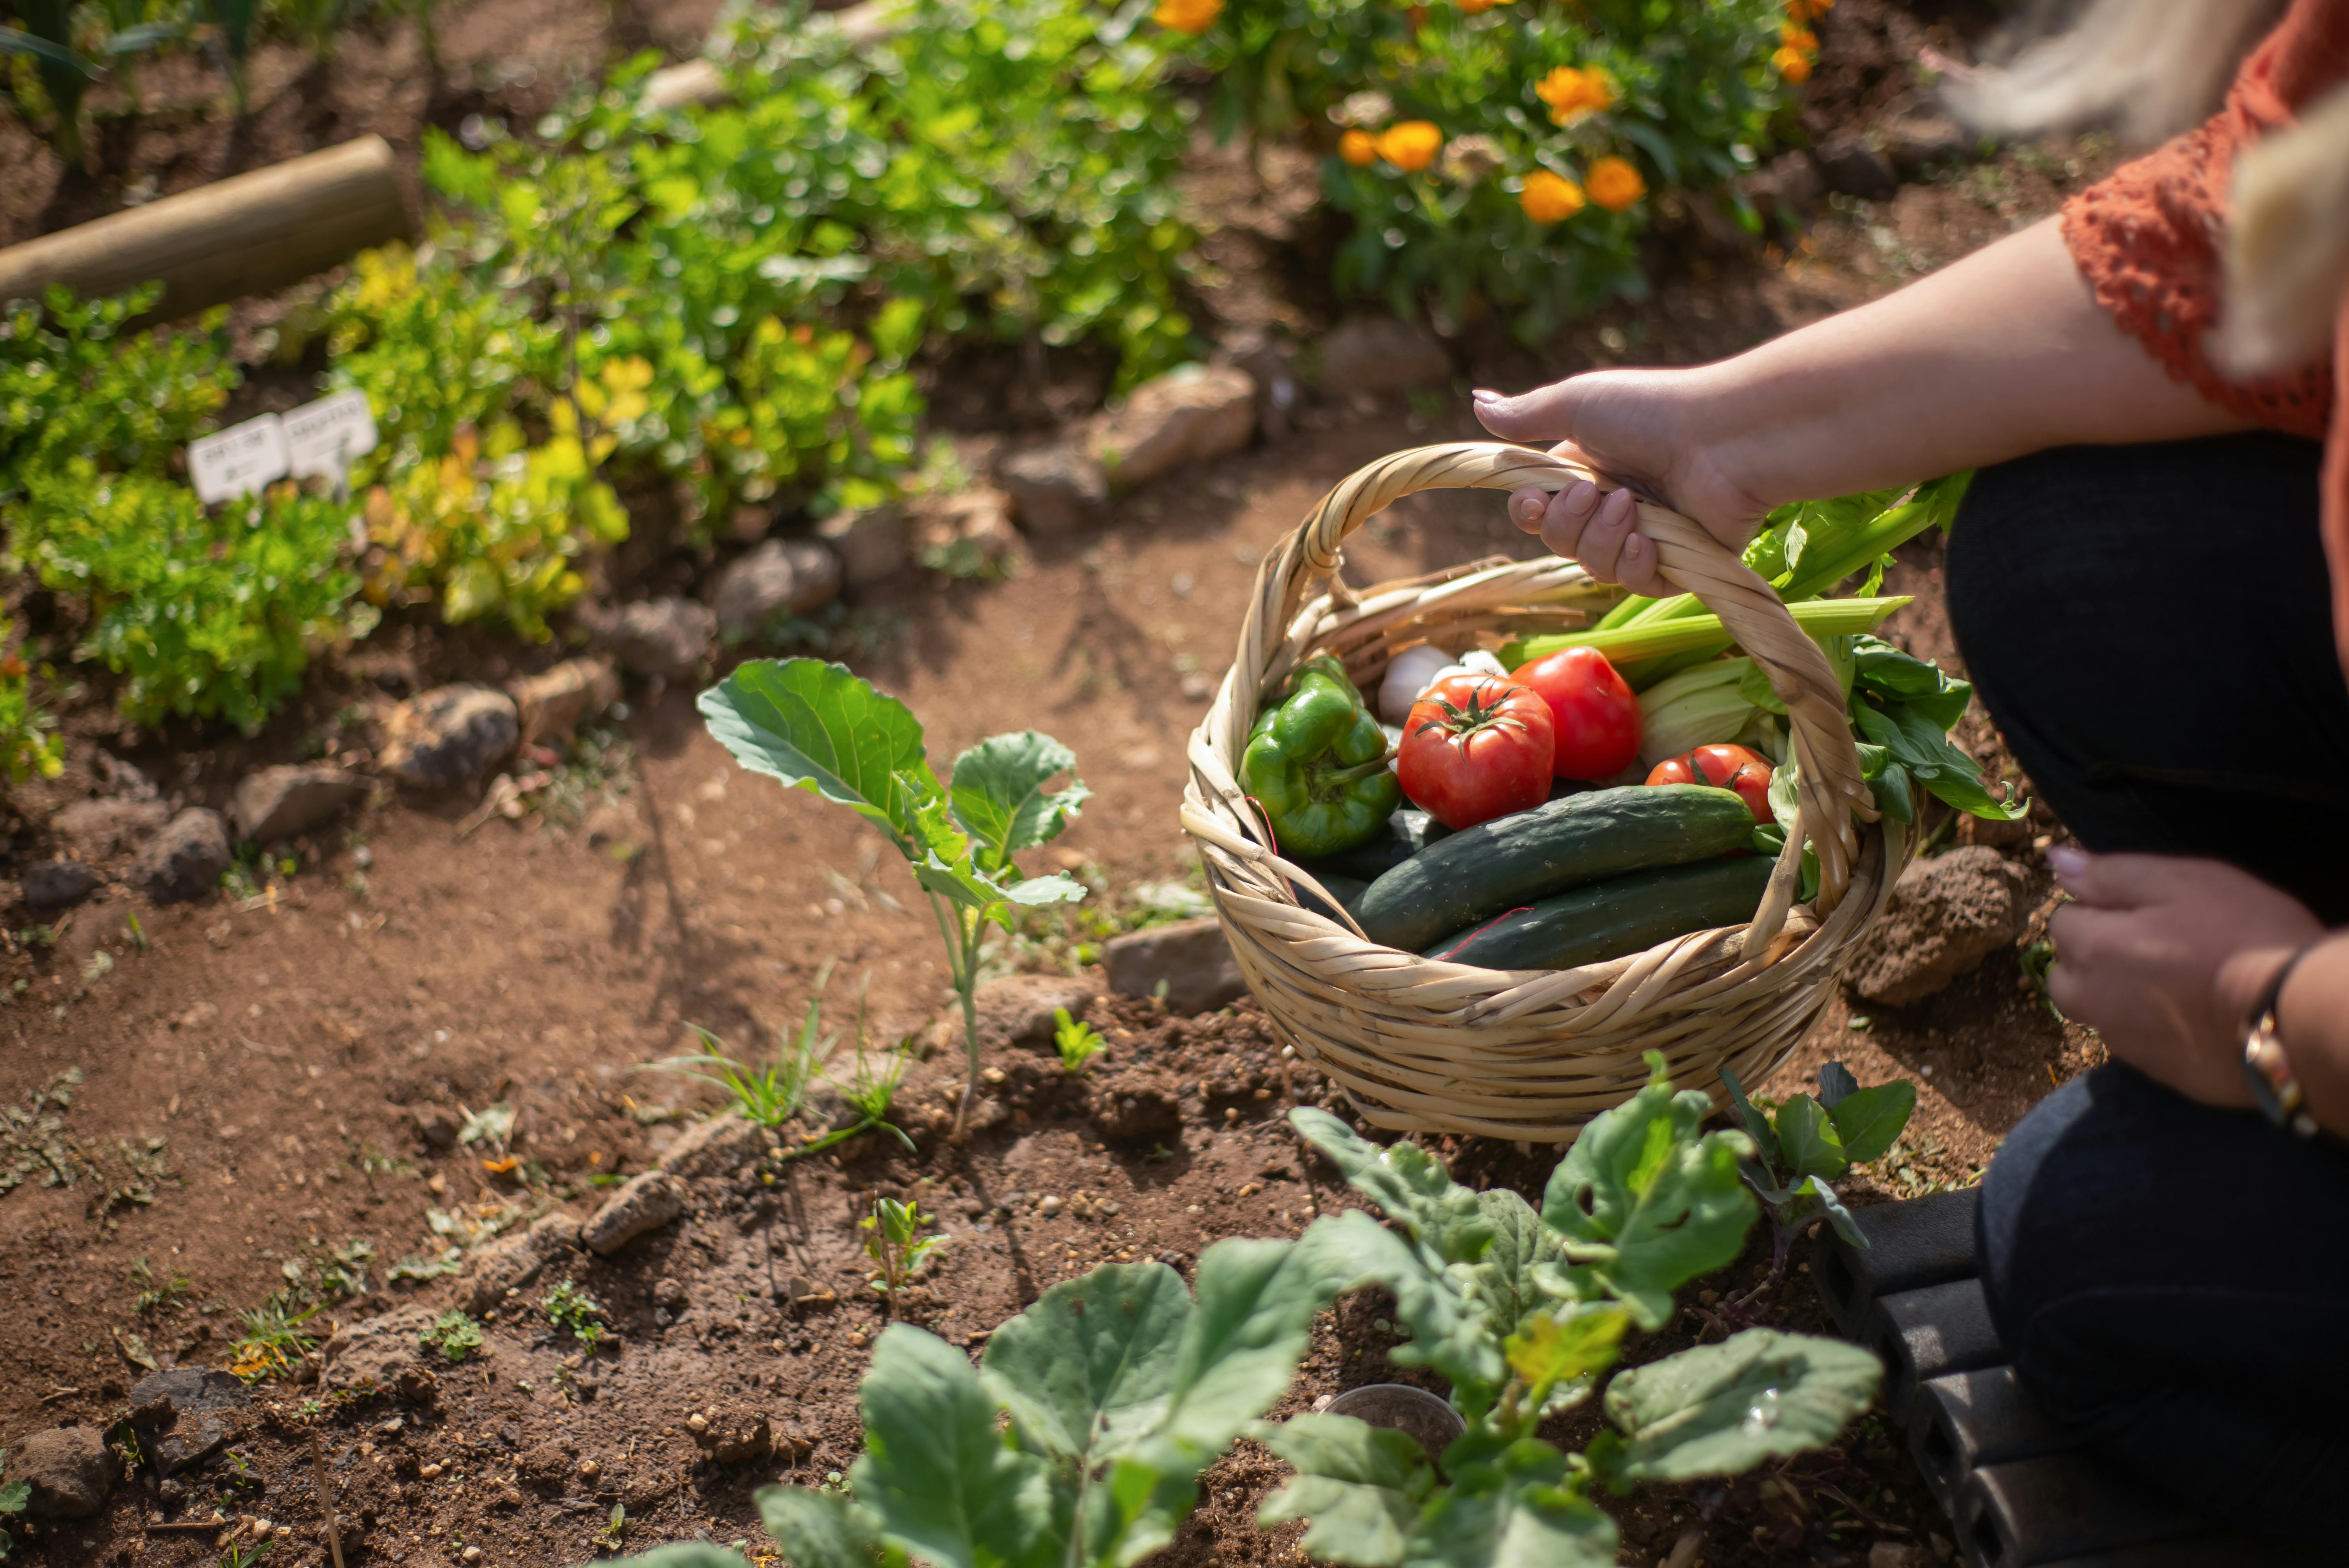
(574, 1312)
(154, 1296)
(1078, 1043)
(455, 1336)
(1811, 1143)
(244, 1556)
(14, 1497)
(273, 1340)
(816, 726)
(2035, 961)
(892, 1239)
(489, 1126)
(771, 1095)
(615, 1529)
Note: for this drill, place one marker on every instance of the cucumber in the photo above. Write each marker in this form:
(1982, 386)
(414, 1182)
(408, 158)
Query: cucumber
(1477, 873)
(1609, 919)
(1407, 832)
(1348, 891)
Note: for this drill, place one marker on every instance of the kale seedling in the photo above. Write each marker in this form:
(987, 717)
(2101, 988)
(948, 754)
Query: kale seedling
(574, 1312)
(892, 1239)
(1813, 1142)
(816, 726)
(455, 1336)
(1078, 1043)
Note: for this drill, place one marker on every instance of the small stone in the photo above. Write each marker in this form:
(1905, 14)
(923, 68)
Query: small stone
(696, 1423)
(718, 1147)
(1193, 957)
(183, 1408)
(1379, 354)
(427, 1472)
(273, 803)
(1853, 168)
(781, 578)
(53, 887)
(375, 1351)
(668, 1293)
(647, 1203)
(872, 543)
(470, 1554)
(68, 1469)
(447, 738)
(554, 703)
(589, 1470)
(1050, 1205)
(663, 637)
(1947, 914)
(97, 830)
(1190, 415)
(1055, 489)
(1018, 1009)
(437, 1125)
(186, 859)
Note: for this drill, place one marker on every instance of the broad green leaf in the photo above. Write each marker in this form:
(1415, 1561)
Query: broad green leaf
(1450, 1331)
(1241, 1344)
(1648, 1201)
(1361, 1485)
(1572, 1347)
(1138, 1511)
(701, 1555)
(1720, 1409)
(1809, 1144)
(1838, 1215)
(1057, 888)
(936, 1473)
(1835, 1082)
(1917, 743)
(816, 726)
(1756, 1125)
(1897, 677)
(999, 796)
(1869, 1120)
(1511, 1513)
(1091, 1366)
(1502, 1278)
(14, 1496)
(1406, 1182)
(820, 1529)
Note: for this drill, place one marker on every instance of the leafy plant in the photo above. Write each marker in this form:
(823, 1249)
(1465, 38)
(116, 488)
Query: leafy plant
(69, 47)
(614, 1530)
(769, 1095)
(815, 726)
(1809, 1144)
(454, 1335)
(574, 1312)
(154, 1296)
(273, 1339)
(1077, 1043)
(870, 1091)
(892, 1239)
(13, 1500)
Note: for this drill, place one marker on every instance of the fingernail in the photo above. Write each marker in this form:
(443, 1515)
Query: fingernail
(1487, 395)
(2068, 861)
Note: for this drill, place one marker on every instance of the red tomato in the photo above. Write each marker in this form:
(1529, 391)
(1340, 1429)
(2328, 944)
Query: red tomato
(1475, 747)
(1594, 716)
(1726, 766)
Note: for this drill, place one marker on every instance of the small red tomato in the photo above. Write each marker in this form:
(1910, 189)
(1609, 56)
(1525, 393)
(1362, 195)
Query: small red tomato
(1594, 716)
(1726, 768)
(1475, 747)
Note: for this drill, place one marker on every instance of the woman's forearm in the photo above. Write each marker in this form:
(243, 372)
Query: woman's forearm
(2003, 353)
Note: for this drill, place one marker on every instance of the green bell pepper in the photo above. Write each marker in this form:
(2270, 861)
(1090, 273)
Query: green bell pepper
(1316, 763)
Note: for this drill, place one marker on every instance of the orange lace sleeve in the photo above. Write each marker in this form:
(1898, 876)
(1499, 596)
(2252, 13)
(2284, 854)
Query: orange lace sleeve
(2150, 238)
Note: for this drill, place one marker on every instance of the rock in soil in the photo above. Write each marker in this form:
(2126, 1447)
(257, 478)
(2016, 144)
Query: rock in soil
(718, 1147)
(647, 1203)
(448, 737)
(1192, 958)
(554, 703)
(967, 533)
(186, 859)
(1379, 354)
(1947, 915)
(661, 638)
(378, 1353)
(180, 1410)
(438, 1126)
(53, 887)
(513, 1261)
(1193, 415)
(1056, 488)
(1017, 1009)
(872, 543)
(273, 803)
(781, 577)
(95, 829)
(68, 1467)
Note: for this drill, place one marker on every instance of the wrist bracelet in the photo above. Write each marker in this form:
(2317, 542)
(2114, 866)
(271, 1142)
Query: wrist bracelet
(2266, 1068)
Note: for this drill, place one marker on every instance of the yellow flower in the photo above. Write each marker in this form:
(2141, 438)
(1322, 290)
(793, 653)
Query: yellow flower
(1614, 184)
(1793, 64)
(1192, 17)
(1796, 36)
(1550, 198)
(1358, 147)
(1411, 146)
(1572, 94)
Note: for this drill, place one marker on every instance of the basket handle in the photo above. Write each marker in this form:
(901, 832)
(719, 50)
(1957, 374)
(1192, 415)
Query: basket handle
(1831, 787)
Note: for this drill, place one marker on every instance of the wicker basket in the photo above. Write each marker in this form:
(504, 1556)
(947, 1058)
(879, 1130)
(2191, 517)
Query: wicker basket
(1424, 1046)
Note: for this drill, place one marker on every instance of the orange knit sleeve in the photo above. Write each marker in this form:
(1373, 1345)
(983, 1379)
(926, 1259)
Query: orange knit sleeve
(2150, 238)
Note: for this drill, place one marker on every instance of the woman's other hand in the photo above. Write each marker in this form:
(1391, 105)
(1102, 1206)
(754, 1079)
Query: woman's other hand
(2163, 956)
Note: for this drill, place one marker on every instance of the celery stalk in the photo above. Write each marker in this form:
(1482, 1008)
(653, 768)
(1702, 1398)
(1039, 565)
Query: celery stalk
(1626, 645)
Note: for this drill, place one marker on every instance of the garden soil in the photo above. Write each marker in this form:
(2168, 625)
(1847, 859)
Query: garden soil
(266, 1079)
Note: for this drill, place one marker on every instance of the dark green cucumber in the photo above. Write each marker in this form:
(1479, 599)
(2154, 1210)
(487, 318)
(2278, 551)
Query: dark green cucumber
(1477, 873)
(1406, 833)
(1348, 891)
(1609, 919)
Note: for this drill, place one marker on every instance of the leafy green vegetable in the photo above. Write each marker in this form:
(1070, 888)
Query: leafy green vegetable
(1813, 1143)
(1718, 1409)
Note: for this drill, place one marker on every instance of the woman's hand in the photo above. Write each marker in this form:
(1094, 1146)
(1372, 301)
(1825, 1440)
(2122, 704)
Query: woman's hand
(2163, 957)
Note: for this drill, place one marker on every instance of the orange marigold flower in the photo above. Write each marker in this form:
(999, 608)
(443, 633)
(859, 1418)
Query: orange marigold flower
(1358, 147)
(1549, 198)
(1614, 184)
(1797, 37)
(1411, 146)
(1793, 64)
(1192, 17)
(1808, 10)
(1572, 94)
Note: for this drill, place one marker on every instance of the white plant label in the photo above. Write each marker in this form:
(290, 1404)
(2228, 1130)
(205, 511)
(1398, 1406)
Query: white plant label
(322, 438)
(239, 461)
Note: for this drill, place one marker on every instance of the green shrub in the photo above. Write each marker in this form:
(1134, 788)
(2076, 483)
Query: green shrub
(75, 382)
(29, 743)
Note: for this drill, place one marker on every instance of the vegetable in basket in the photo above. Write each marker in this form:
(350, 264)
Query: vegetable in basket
(1731, 767)
(1475, 747)
(1613, 919)
(1595, 718)
(1316, 763)
(1407, 832)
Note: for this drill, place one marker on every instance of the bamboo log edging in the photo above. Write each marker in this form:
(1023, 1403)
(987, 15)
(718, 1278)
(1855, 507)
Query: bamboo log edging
(252, 233)
(1422, 1045)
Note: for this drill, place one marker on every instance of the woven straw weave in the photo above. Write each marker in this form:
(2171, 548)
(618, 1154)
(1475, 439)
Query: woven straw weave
(1424, 1045)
